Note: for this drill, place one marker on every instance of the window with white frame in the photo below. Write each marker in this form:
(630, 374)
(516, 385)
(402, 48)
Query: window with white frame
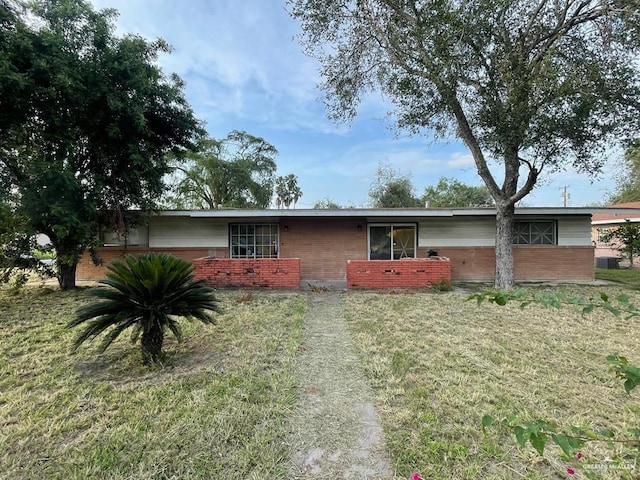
(249, 240)
(535, 232)
(392, 241)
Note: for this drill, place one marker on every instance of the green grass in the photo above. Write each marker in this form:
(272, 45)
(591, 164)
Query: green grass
(438, 364)
(628, 277)
(217, 408)
(220, 404)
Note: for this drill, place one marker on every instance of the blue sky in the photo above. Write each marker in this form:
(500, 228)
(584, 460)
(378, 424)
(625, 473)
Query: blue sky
(245, 70)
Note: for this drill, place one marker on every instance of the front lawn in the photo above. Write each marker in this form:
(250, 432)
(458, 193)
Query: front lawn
(216, 409)
(439, 363)
(627, 276)
(220, 405)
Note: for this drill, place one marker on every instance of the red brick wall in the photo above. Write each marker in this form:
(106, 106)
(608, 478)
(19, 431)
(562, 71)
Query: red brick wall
(406, 273)
(252, 273)
(87, 270)
(532, 262)
(323, 246)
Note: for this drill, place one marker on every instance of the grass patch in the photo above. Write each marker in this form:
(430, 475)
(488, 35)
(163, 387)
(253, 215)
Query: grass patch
(216, 408)
(438, 364)
(629, 277)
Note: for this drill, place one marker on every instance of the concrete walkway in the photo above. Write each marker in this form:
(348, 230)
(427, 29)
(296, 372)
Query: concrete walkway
(335, 430)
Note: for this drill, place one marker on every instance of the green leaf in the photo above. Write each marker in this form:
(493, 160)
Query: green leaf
(629, 385)
(607, 433)
(575, 443)
(501, 299)
(538, 441)
(563, 443)
(487, 421)
(604, 297)
(522, 435)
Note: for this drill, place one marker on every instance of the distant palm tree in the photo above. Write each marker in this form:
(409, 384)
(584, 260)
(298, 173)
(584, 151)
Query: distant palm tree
(147, 293)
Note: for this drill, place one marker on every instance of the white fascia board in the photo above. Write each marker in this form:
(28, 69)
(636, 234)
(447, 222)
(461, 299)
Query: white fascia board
(372, 213)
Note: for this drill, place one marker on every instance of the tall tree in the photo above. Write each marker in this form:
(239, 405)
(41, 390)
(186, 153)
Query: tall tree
(628, 187)
(237, 171)
(532, 84)
(390, 189)
(86, 121)
(449, 192)
(288, 191)
(625, 239)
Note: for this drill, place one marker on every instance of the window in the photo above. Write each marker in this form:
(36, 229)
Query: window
(253, 240)
(392, 242)
(539, 232)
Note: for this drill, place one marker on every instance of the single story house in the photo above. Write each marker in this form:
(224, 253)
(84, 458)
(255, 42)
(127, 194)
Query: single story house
(606, 219)
(358, 247)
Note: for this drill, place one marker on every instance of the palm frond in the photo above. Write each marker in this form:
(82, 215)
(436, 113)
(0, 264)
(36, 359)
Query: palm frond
(144, 292)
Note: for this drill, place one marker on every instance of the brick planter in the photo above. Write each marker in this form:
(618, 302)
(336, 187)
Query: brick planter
(249, 273)
(406, 273)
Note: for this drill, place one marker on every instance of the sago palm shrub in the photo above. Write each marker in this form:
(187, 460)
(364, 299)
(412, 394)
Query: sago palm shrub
(148, 293)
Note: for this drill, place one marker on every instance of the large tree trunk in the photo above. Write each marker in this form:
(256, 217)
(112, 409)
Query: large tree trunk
(66, 261)
(505, 216)
(152, 340)
(67, 276)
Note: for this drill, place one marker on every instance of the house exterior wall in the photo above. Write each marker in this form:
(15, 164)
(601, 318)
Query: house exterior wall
(457, 232)
(323, 246)
(87, 270)
(531, 262)
(171, 232)
(480, 231)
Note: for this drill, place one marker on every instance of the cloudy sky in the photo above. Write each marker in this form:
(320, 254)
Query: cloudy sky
(245, 70)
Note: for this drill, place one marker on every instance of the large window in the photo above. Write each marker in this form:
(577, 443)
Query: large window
(392, 242)
(537, 232)
(253, 240)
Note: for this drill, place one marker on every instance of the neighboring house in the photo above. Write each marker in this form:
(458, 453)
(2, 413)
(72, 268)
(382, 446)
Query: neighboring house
(340, 246)
(607, 219)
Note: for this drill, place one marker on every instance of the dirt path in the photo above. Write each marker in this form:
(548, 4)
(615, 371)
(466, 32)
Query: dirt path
(335, 431)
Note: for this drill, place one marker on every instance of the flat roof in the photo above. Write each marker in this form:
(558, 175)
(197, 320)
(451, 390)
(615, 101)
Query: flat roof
(389, 212)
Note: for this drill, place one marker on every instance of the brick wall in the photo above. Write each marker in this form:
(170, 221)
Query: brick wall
(252, 273)
(87, 270)
(323, 246)
(406, 273)
(532, 262)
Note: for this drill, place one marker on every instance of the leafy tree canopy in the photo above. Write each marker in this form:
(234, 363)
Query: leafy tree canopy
(326, 203)
(86, 120)
(390, 189)
(236, 171)
(449, 192)
(533, 85)
(628, 187)
(626, 239)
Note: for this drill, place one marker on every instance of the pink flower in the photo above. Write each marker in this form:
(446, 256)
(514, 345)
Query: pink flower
(570, 471)
(416, 476)
(579, 455)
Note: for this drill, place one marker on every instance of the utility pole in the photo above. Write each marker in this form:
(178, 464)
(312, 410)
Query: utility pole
(565, 195)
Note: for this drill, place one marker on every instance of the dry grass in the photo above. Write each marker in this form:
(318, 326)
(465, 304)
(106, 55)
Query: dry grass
(438, 364)
(217, 408)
